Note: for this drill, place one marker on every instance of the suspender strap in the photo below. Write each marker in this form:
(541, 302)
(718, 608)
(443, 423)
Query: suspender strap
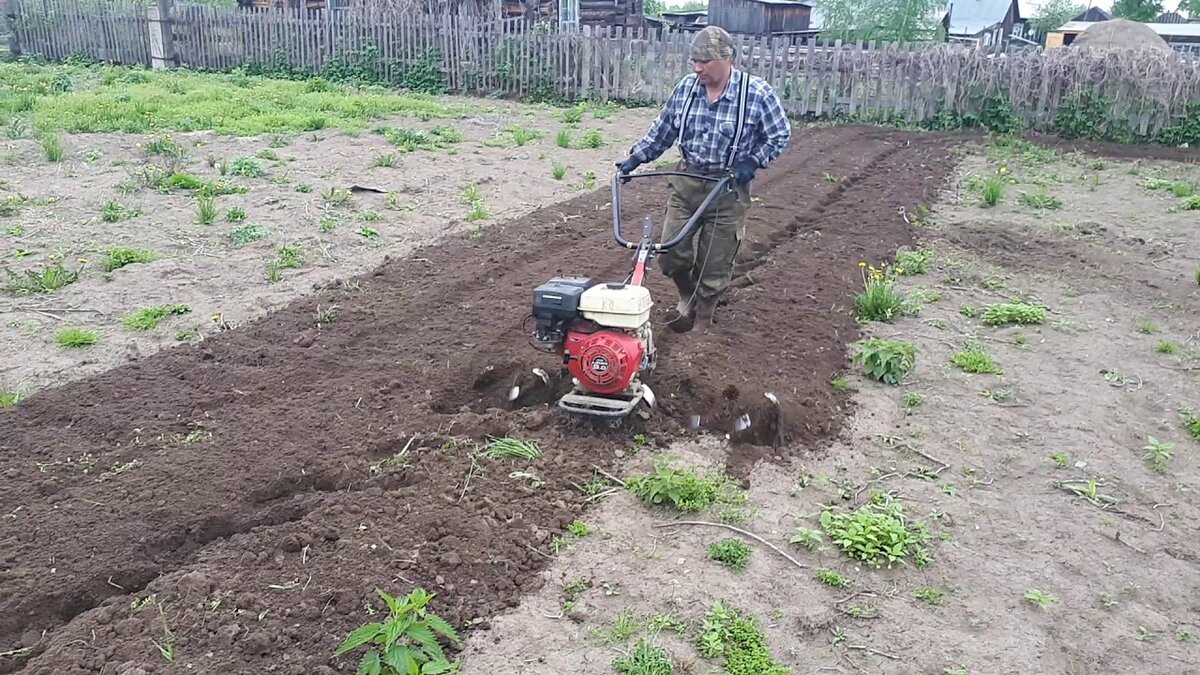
(687, 111)
(742, 103)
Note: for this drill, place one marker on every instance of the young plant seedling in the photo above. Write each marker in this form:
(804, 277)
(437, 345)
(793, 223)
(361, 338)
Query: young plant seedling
(887, 361)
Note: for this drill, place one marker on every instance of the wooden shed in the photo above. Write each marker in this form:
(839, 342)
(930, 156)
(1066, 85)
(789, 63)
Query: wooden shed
(760, 17)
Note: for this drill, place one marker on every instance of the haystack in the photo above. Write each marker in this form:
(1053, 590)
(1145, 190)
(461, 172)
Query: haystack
(1120, 34)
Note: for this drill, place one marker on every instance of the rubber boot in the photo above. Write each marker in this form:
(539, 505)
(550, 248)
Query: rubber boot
(680, 319)
(705, 309)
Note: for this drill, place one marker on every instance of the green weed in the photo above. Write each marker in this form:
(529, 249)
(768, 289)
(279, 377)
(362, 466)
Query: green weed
(1013, 313)
(1157, 454)
(645, 659)
(932, 596)
(52, 147)
(47, 279)
(878, 533)
(1040, 598)
(247, 234)
(879, 300)
(684, 489)
(910, 262)
(149, 318)
(206, 209)
(499, 448)
(1166, 347)
(992, 191)
(831, 578)
(71, 338)
(887, 361)
(1041, 200)
(807, 538)
(407, 642)
(972, 359)
(121, 257)
(560, 170)
(1191, 423)
(593, 139)
(290, 256)
(9, 399)
(563, 140)
(235, 215)
(115, 212)
(731, 552)
(729, 634)
(1190, 204)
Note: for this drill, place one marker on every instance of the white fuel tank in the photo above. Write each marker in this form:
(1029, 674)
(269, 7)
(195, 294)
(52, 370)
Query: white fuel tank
(616, 305)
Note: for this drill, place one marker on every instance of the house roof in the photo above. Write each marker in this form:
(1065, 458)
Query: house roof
(1093, 14)
(970, 17)
(1164, 29)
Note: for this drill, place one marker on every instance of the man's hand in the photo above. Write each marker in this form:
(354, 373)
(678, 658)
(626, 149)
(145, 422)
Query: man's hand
(743, 172)
(627, 167)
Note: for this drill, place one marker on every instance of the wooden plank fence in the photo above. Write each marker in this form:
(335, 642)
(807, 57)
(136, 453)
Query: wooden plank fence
(1144, 91)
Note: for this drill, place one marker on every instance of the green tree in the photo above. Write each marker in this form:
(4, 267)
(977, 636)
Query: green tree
(1192, 7)
(890, 20)
(1137, 10)
(1054, 13)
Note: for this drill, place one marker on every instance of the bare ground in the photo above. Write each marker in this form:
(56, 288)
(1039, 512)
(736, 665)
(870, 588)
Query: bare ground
(418, 198)
(986, 461)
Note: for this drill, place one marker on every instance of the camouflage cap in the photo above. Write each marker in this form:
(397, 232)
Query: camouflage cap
(712, 44)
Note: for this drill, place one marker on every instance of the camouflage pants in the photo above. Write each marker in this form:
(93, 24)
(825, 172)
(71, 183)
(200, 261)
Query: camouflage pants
(708, 254)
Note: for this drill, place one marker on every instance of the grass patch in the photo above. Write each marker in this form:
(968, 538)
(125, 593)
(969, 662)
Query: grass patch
(1041, 201)
(878, 533)
(9, 398)
(71, 338)
(121, 257)
(137, 101)
(149, 318)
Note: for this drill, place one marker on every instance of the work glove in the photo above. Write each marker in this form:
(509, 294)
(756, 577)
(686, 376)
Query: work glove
(743, 171)
(627, 167)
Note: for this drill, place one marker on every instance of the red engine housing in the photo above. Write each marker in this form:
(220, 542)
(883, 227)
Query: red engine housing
(605, 361)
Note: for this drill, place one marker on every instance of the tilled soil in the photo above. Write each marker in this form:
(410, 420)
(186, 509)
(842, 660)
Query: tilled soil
(241, 499)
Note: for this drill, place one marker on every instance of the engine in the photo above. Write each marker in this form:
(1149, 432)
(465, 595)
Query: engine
(601, 331)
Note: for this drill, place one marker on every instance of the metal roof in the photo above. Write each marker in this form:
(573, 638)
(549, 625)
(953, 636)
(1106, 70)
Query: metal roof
(969, 17)
(1164, 29)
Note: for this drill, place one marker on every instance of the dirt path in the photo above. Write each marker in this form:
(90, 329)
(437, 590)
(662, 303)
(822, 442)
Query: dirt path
(260, 485)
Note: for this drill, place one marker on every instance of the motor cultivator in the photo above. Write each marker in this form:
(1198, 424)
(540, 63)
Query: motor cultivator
(601, 331)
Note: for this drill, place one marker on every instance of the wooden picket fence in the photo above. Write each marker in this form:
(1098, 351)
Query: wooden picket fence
(1144, 91)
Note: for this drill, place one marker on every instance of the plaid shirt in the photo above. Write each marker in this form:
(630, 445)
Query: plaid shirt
(710, 127)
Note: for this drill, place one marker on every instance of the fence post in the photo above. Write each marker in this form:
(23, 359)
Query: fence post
(14, 42)
(162, 44)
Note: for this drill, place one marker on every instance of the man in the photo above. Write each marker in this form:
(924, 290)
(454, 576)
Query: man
(727, 123)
